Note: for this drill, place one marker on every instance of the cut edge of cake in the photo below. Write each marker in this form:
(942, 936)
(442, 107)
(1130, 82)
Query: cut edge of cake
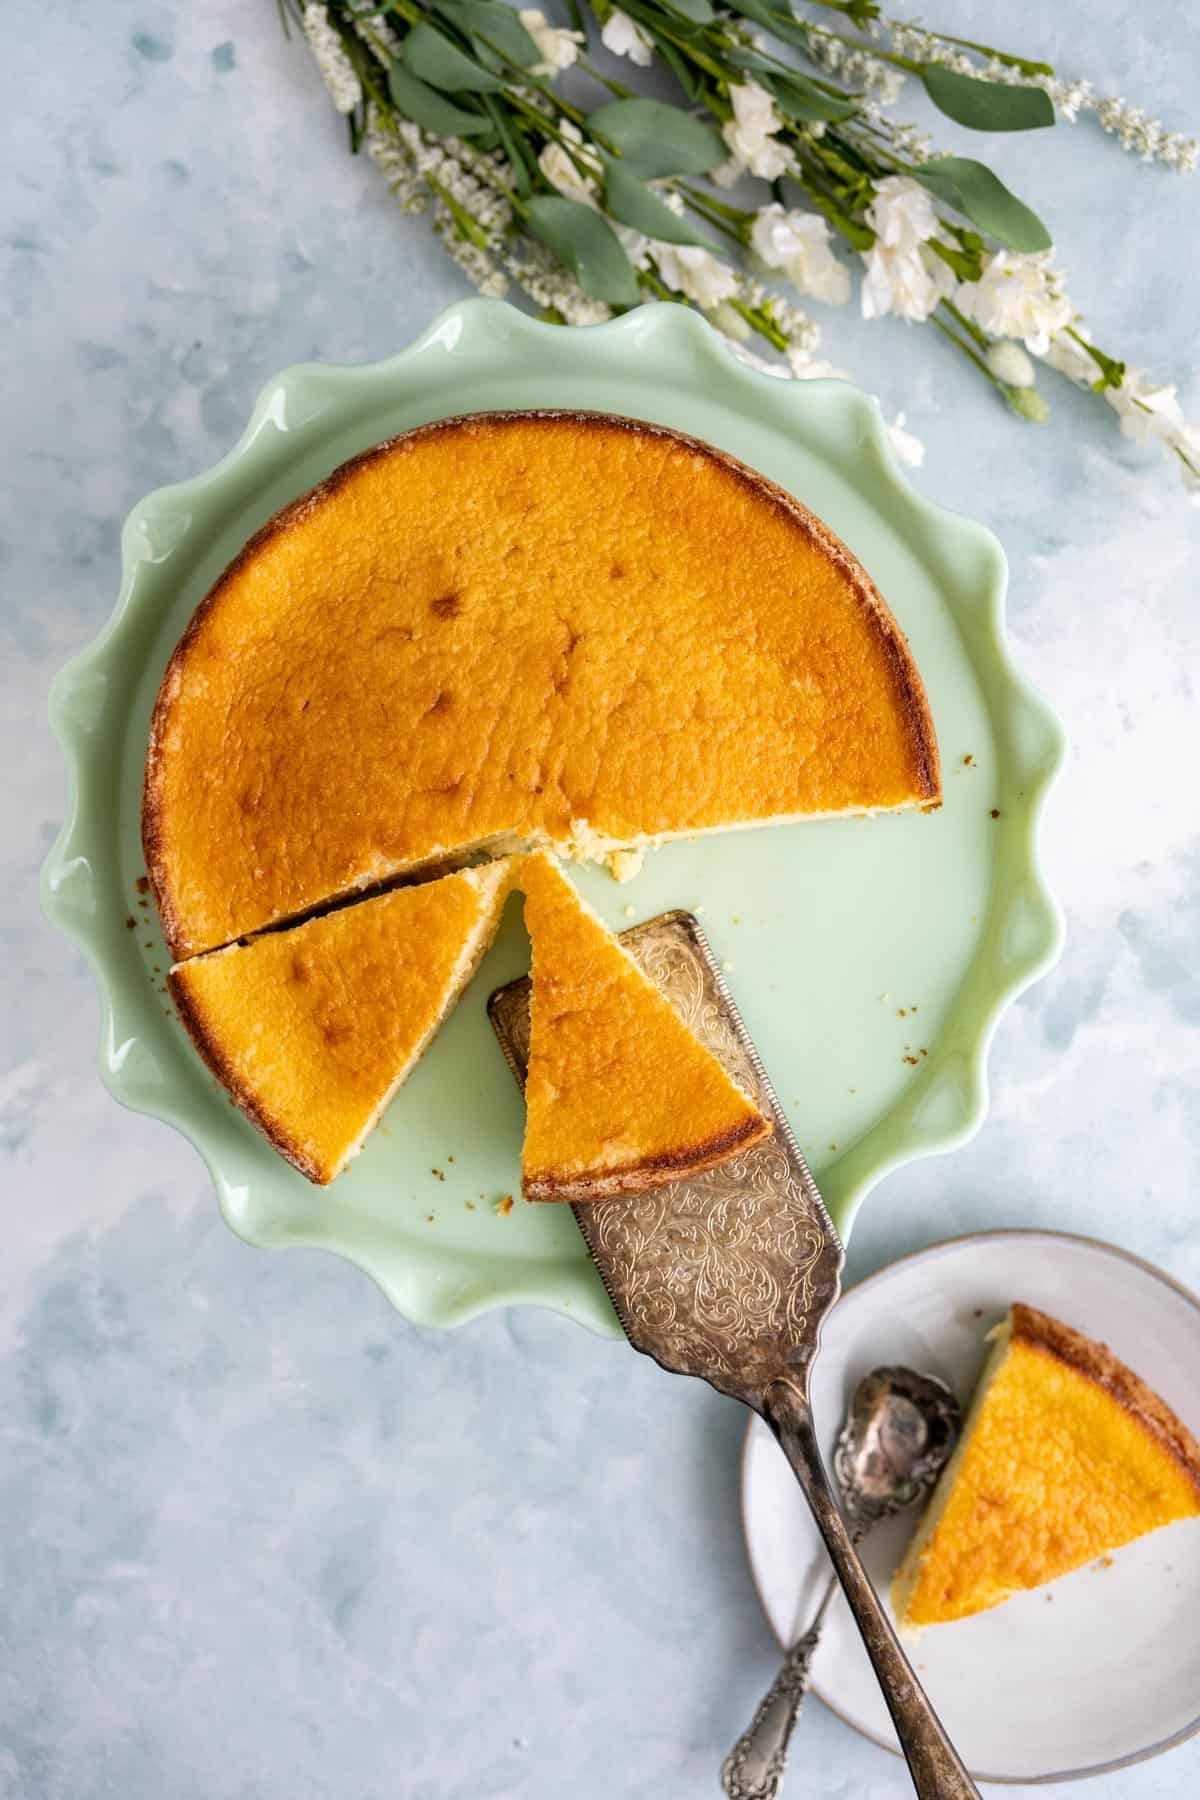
(656, 1169)
(1093, 1360)
(582, 844)
(904, 1582)
(493, 881)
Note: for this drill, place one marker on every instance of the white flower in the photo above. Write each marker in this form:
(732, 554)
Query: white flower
(625, 37)
(1147, 414)
(798, 243)
(557, 49)
(908, 449)
(749, 134)
(1009, 364)
(1071, 359)
(902, 214)
(1019, 296)
(728, 319)
(812, 368)
(337, 71)
(753, 360)
(908, 283)
(695, 273)
(562, 171)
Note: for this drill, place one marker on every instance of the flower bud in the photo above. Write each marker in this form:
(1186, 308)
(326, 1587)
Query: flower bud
(727, 319)
(1009, 364)
(1028, 403)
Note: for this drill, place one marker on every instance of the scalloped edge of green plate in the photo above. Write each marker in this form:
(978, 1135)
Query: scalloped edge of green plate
(1025, 927)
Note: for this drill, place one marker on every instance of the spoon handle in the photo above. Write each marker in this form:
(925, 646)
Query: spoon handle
(753, 1770)
(937, 1773)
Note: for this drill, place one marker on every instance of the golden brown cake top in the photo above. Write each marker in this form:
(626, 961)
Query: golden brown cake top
(621, 1096)
(312, 1029)
(1068, 1455)
(563, 627)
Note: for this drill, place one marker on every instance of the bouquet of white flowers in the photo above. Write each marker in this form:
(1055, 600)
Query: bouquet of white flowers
(590, 209)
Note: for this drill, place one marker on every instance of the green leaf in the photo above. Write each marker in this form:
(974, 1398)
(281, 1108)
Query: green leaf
(780, 25)
(801, 99)
(638, 206)
(985, 200)
(698, 11)
(682, 70)
(510, 140)
(497, 25)
(752, 59)
(433, 58)
(986, 105)
(658, 140)
(589, 246)
(431, 110)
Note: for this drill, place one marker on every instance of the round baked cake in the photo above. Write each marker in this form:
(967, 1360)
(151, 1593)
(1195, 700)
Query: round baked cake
(527, 629)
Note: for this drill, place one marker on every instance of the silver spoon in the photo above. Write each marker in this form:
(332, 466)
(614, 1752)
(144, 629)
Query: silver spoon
(899, 1432)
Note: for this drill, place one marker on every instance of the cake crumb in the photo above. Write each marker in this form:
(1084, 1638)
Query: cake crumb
(995, 813)
(885, 998)
(699, 909)
(142, 884)
(833, 1146)
(504, 1205)
(629, 912)
(440, 1173)
(1104, 1562)
(130, 923)
(914, 1009)
(902, 1012)
(852, 1090)
(910, 1059)
(728, 967)
(735, 918)
(623, 865)
(924, 1051)
(429, 1218)
(968, 759)
(470, 1205)
(449, 1159)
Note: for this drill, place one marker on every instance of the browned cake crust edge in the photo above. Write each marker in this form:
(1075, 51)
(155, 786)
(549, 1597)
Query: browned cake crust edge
(909, 687)
(653, 1172)
(207, 1043)
(1097, 1363)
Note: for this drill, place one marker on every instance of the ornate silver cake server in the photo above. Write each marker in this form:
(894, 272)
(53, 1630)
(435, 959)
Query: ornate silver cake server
(728, 1277)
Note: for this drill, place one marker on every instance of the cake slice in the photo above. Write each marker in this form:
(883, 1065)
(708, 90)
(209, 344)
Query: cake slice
(620, 1095)
(1066, 1455)
(313, 1029)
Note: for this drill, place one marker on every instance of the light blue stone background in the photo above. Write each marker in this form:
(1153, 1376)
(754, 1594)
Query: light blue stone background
(258, 1538)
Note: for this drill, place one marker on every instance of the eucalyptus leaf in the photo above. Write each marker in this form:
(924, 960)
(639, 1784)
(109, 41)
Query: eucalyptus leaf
(984, 199)
(780, 24)
(754, 60)
(587, 243)
(431, 110)
(511, 143)
(496, 25)
(682, 70)
(986, 105)
(433, 58)
(655, 139)
(801, 99)
(634, 204)
(700, 12)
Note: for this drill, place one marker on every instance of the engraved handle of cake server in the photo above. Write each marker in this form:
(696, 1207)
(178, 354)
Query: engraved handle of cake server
(754, 1768)
(936, 1770)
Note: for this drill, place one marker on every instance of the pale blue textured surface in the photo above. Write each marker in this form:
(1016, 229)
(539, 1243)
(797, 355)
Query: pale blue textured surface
(257, 1537)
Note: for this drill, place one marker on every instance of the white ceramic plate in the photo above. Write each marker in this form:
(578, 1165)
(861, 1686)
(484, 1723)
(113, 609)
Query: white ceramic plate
(1090, 1673)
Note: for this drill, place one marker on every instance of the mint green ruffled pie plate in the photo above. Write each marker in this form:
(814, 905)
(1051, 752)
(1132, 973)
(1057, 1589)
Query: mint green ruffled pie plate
(870, 957)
